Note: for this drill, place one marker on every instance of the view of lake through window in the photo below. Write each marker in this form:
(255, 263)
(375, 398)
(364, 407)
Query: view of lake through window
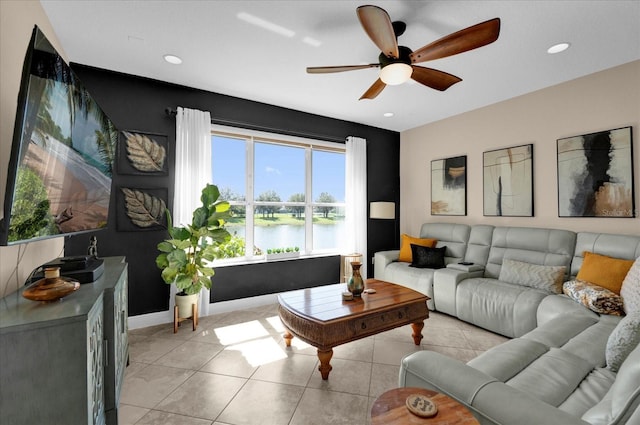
(286, 196)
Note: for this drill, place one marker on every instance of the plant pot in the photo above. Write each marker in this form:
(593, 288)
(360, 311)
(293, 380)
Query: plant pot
(185, 305)
(283, 255)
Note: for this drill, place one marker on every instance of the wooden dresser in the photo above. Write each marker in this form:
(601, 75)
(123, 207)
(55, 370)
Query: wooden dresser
(64, 362)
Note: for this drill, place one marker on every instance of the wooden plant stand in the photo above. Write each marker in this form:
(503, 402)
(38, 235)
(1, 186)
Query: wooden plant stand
(193, 318)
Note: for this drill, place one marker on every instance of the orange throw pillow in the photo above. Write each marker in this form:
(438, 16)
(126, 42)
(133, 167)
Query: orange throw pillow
(604, 271)
(405, 246)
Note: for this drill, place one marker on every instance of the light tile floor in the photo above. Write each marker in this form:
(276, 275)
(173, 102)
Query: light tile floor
(236, 370)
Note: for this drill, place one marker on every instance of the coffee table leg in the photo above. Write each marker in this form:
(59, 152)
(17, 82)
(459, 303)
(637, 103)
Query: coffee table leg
(417, 332)
(287, 337)
(325, 358)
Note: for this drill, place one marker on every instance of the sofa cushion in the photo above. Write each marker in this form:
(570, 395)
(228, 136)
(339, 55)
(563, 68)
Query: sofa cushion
(506, 360)
(405, 246)
(500, 307)
(594, 297)
(546, 278)
(590, 391)
(624, 338)
(559, 330)
(553, 376)
(424, 257)
(604, 271)
(630, 290)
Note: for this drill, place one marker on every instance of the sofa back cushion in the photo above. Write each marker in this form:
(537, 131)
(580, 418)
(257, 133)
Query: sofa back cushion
(479, 244)
(617, 246)
(453, 236)
(548, 247)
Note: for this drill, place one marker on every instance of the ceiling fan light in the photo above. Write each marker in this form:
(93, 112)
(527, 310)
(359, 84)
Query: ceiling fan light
(396, 73)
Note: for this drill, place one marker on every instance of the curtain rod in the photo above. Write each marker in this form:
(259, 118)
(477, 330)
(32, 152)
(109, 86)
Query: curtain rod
(219, 121)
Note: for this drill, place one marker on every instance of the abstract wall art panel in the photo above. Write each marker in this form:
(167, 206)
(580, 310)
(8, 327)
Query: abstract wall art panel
(508, 182)
(449, 186)
(595, 175)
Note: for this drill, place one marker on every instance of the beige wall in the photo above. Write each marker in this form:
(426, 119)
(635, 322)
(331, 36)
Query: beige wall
(601, 101)
(17, 19)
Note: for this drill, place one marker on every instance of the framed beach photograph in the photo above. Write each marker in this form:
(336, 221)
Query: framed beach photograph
(508, 182)
(449, 186)
(142, 154)
(595, 175)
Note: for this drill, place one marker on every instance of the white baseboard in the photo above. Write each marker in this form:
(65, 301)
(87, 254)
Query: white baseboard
(162, 317)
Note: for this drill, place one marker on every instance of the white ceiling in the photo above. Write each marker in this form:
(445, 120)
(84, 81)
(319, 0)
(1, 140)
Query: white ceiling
(224, 54)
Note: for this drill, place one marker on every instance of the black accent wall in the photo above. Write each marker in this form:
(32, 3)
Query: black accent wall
(135, 103)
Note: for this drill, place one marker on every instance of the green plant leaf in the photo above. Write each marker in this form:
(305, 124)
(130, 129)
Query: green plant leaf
(165, 246)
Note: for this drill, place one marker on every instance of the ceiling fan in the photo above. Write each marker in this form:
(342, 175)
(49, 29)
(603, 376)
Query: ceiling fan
(397, 63)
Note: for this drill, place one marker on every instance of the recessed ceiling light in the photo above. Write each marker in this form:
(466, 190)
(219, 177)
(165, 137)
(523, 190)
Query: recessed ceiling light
(173, 59)
(388, 114)
(557, 48)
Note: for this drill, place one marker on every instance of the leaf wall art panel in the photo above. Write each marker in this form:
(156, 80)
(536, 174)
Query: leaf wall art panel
(140, 209)
(595, 175)
(449, 186)
(142, 153)
(508, 182)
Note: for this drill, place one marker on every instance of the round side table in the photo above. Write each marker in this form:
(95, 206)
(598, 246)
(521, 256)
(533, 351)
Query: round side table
(390, 408)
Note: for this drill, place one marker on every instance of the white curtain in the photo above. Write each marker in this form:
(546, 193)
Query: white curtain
(192, 173)
(356, 199)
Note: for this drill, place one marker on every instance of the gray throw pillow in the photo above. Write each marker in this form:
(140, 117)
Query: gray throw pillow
(630, 290)
(624, 338)
(545, 278)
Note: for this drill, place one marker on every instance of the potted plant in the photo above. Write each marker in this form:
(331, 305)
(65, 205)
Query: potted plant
(184, 258)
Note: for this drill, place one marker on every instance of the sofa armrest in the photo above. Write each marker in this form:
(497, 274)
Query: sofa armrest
(381, 260)
(498, 403)
(445, 285)
(466, 267)
(491, 401)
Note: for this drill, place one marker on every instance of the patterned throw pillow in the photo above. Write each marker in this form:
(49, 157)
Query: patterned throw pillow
(594, 297)
(546, 278)
(622, 341)
(630, 290)
(427, 258)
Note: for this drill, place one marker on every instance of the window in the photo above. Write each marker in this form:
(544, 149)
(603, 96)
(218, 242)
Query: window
(286, 193)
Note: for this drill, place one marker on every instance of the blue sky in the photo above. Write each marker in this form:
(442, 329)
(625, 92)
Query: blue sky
(277, 168)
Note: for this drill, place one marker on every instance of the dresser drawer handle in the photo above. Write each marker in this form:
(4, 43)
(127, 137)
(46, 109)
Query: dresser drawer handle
(400, 315)
(363, 325)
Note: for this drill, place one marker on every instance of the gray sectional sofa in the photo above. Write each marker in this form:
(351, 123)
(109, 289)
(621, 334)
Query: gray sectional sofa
(554, 370)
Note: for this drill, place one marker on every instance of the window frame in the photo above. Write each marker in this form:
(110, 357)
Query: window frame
(251, 137)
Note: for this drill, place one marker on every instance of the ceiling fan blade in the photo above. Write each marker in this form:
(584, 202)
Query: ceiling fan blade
(378, 26)
(461, 41)
(433, 78)
(374, 90)
(328, 69)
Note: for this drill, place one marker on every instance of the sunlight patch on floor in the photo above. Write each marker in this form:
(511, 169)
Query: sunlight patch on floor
(235, 334)
(275, 323)
(260, 351)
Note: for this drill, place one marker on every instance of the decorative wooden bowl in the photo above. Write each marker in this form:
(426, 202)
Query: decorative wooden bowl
(52, 287)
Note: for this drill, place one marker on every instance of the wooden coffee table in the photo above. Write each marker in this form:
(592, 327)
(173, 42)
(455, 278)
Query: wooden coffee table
(390, 409)
(320, 317)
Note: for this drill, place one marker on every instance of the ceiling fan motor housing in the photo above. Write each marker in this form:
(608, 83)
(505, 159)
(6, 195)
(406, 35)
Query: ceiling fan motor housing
(404, 57)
